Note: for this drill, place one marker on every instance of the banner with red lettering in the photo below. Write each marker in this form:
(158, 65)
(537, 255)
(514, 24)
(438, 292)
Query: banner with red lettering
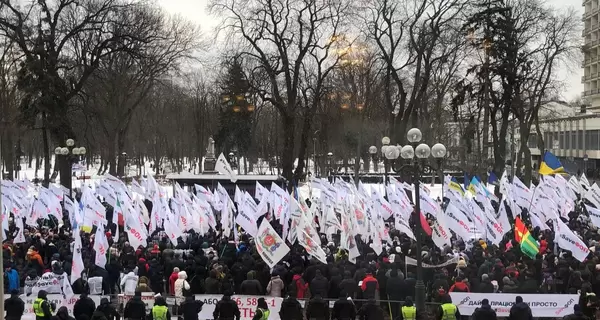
(542, 305)
(58, 299)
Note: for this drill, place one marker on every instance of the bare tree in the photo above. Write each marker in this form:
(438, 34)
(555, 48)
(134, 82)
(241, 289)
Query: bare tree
(291, 41)
(124, 79)
(412, 38)
(62, 43)
(553, 43)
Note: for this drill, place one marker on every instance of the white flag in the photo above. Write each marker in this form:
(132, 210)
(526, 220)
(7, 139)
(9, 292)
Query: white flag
(101, 247)
(594, 215)
(77, 265)
(311, 246)
(566, 239)
(584, 183)
(172, 231)
(269, 244)
(224, 168)
(458, 222)
(20, 237)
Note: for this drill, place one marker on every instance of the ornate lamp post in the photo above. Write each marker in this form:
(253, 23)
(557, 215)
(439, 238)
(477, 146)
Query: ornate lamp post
(421, 151)
(71, 154)
(373, 153)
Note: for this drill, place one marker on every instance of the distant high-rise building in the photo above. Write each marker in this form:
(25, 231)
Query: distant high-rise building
(591, 50)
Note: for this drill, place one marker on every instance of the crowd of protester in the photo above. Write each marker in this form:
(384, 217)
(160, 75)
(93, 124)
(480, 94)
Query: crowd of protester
(211, 264)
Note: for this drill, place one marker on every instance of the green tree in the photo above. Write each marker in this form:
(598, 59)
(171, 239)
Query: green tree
(236, 114)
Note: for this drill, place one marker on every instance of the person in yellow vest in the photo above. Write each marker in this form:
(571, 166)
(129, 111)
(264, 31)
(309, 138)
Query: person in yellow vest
(408, 310)
(160, 311)
(262, 310)
(447, 310)
(42, 308)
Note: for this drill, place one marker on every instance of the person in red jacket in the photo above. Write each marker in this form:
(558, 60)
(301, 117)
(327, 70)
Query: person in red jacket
(299, 286)
(172, 279)
(460, 285)
(369, 287)
(543, 245)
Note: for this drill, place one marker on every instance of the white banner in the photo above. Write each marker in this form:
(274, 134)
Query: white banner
(542, 305)
(51, 283)
(413, 262)
(246, 304)
(57, 299)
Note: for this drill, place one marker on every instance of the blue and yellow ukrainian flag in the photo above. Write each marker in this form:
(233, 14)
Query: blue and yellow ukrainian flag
(550, 164)
(454, 185)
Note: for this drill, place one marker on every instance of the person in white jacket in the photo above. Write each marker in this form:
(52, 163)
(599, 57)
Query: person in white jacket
(129, 283)
(180, 285)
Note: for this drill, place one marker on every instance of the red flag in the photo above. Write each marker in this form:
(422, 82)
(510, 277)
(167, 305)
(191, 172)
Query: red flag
(425, 224)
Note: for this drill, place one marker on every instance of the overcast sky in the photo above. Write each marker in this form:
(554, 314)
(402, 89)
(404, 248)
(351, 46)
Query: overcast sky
(195, 10)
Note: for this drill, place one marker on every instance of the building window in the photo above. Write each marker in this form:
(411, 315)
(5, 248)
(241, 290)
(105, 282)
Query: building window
(580, 140)
(532, 141)
(591, 140)
(561, 138)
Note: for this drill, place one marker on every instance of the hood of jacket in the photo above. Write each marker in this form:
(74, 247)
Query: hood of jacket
(521, 306)
(182, 275)
(63, 313)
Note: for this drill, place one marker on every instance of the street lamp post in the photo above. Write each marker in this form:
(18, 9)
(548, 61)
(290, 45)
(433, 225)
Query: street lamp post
(124, 159)
(373, 153)
(385, 141)
(71, 155)
(329, 160)
(422, 151)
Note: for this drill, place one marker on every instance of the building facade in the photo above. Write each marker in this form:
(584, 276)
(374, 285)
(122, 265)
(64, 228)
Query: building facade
(591, 51)
(572, 134)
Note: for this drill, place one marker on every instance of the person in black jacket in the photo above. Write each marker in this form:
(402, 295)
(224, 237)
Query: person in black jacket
(343, 309)
(396, 291)
(371, 311)
(485, 286)
(251, 286)
(485, 312)
(317, 308)
(520, 310)
(14, 306)
(135, 309)
(291, 308)
(85, 306)
(319, 285)
(226, 309)
(577, 314)
(62, 314)
(348, 286)
(109, 311)
(190, 308)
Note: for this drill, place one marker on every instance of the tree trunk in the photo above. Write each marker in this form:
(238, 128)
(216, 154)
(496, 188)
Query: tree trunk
(306, 129)
(287, 161)
(9, 155)
(122, 159)
(64, 165)
(46, 152)
(29, 157)
(112, 155)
